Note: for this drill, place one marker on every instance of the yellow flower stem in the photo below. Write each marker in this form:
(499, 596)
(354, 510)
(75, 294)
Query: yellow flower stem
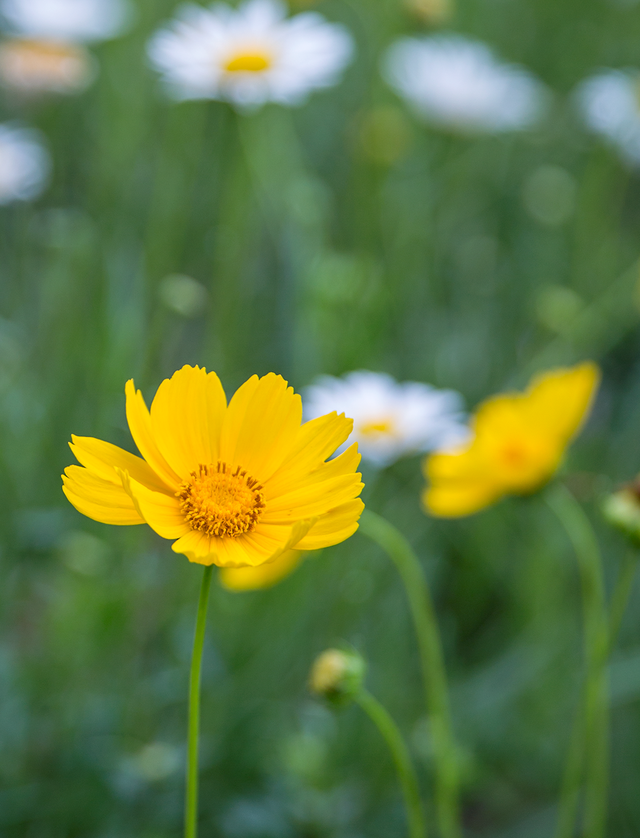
(406, 774)
(191, 811)
(590, 736)
(433, 672)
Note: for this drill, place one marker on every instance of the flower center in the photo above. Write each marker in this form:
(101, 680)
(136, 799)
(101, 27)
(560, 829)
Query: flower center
(25, 58)
(377, 428)
(249, 62)
(221, 502)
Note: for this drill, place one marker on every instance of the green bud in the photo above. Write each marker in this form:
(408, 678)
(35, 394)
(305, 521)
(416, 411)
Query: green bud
(622, 510)
(337, 675)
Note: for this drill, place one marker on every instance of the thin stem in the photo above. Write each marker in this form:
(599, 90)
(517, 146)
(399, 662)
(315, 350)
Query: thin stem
(191, 812)
(590, 739)
(406, 774)
(432, 662)
(621, 594)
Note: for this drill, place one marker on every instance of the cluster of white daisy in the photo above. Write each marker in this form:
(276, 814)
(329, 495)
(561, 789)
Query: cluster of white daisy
(256, 53)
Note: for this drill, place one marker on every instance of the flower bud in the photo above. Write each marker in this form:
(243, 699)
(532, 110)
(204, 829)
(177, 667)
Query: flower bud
(621, 509)
(337, 675)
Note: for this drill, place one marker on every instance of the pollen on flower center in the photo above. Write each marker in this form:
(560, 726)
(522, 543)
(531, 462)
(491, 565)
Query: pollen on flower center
(221, 502)
(248, 62)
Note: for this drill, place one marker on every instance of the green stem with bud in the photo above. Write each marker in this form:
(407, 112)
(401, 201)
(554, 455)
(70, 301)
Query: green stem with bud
(433, 671)
(590, 736)
(191, 811)
(406, 774)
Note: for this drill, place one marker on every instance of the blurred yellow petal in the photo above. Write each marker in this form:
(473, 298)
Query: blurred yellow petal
(560, 400)
(519, 442)
(264, 576)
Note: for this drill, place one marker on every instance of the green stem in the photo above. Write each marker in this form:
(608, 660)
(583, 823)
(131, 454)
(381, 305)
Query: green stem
(389, 730)
(191, 812)
(590, 738)
(431, 657)
(621, 594)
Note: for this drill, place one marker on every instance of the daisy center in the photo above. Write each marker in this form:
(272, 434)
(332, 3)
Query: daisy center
(42, 57)
(377, 427)
(219, 501)
(251, 61)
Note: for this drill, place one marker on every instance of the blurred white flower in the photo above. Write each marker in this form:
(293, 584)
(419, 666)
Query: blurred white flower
(391, 419)
(44, 52)
(610, 105)
(24, 164)
(75, 21)
(458, 83)
(249, 55)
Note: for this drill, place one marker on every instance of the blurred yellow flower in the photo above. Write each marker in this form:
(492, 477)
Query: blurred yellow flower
(264, 576)
(237, 485)
(519, 441)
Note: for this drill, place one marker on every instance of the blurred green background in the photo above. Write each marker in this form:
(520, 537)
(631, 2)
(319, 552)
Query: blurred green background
(341, 235)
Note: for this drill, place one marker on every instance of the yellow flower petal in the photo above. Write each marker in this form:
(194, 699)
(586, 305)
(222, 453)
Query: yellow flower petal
(519, 442)
(140, 426)
(457, 500)
(103, 458)
(160, 511)
(99, 499)
(346, 463)
(314, 500)
(264, 576)
(186, 418)
(266, 419)
(315, 441)
(336, 526)
(560, 400)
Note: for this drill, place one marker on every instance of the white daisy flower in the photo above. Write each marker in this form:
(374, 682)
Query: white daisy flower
(24, 164)
(249, 55)
(44, 53)
(74, 21)
(457, 83)
(610, 105)
(390, 420)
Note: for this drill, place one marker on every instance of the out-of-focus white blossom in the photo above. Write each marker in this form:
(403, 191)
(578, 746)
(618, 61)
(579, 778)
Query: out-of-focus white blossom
(390, 419)
(458, 83)
(249, 55)
(43, 51)
(75, 21)
(610, 106)
(24, 164)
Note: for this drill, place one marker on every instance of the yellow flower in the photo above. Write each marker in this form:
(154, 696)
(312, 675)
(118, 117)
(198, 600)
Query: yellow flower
(518, 443)
(237, 485)
(256, 578)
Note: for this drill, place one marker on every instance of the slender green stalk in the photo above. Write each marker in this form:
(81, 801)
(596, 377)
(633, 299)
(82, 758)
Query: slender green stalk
(191, 811)
(406, 774)
(433, 671)
(621, 594)
(590, 738)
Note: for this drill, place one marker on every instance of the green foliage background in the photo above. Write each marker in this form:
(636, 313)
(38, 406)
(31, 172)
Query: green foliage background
(338, 236)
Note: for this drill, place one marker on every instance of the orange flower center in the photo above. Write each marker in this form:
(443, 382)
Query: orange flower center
(221, 502)
(23, 59)
(248, 62)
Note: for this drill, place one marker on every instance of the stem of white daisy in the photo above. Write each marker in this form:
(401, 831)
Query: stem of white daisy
(433, 672)
(191, 810)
